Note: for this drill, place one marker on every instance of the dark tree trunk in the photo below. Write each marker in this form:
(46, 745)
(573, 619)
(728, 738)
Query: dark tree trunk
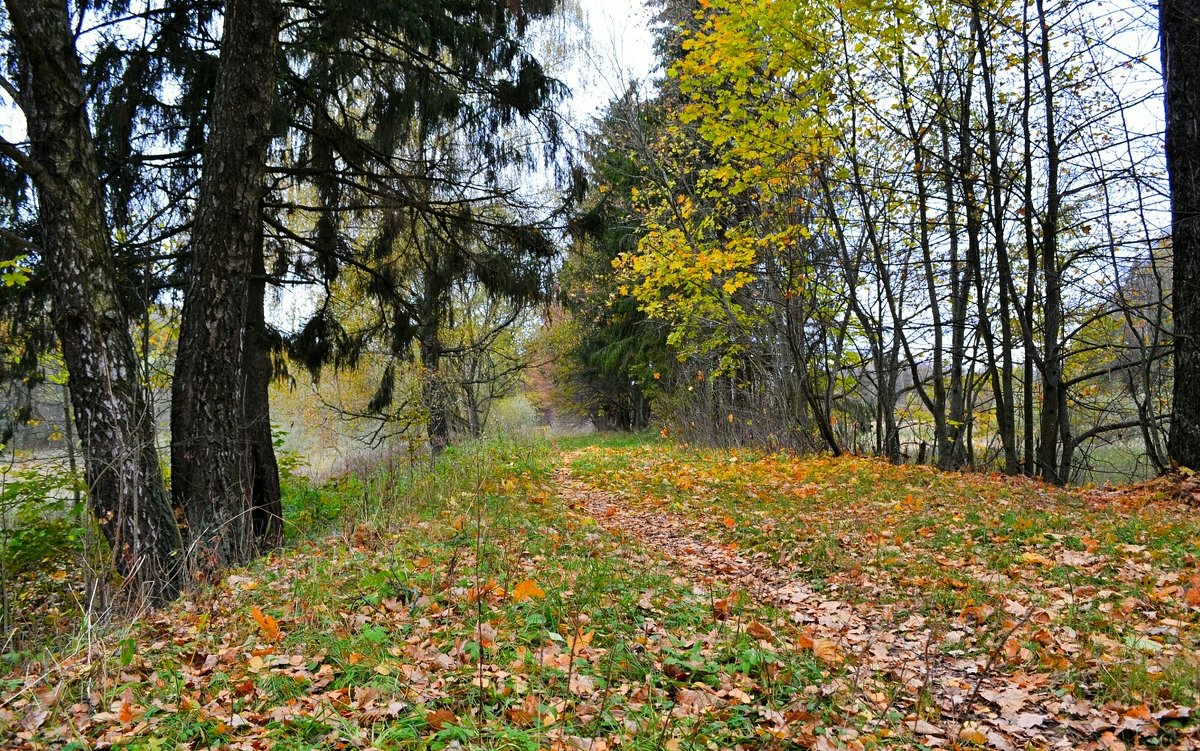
(213, 454)
(1005, 414)
(434, 396)
(1029, 460)
(1180, 30)
(1055, 420)
(955, 454)
(115, 425)
(267, 514)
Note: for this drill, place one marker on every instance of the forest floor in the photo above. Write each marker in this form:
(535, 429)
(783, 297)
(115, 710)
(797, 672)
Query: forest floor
(647, 595)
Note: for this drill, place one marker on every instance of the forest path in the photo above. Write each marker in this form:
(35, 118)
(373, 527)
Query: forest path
(894, 662)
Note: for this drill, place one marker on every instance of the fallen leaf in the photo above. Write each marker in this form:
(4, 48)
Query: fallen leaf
(439, 718)
(267, 626)
(125, 713)
(526, 590)
(759, 631)
(1029, 720)
(826, 651)
(694, 701)
(973, 736)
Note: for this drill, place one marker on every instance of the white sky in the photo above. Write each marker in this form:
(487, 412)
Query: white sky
(617, 48)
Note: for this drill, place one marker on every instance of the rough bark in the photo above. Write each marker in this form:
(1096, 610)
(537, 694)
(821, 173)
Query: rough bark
(955, 456)
(267, 513)
(1180, 31)
(434, 395)
(114, 422)
(213, 456)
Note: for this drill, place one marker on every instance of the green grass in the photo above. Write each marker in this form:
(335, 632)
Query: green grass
(954, 547)
(399, 628)
(407, 611)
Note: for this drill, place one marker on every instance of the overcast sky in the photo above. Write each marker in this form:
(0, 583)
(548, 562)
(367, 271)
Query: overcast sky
(613, 46)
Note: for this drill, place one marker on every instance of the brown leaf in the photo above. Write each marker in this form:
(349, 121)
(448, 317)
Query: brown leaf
(759, 631)
(922, 727)
(440, 717)
(826, 651)
(521, 716)
(696, 702)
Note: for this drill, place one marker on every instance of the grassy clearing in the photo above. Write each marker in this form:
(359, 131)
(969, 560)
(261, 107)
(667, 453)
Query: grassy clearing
(476, 605)
(1106, 583)
(467, 607)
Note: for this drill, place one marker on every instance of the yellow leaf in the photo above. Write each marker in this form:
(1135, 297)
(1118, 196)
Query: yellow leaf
(971, 735)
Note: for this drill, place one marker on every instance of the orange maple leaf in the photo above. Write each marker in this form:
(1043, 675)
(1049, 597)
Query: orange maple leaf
(267, 626)
(526, 590)
(125, 713)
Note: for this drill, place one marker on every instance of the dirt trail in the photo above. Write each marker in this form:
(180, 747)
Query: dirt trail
(883, 649)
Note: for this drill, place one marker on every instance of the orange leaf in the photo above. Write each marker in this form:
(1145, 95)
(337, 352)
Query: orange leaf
(478, 593)
(721, 609)
(527, 589)
(520, 716)
(267, 625)
(125, 713)
(971, 735)
(1192, 597)
(729, 522)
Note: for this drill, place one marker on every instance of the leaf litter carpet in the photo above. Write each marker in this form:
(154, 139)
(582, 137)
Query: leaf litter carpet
(894, 663)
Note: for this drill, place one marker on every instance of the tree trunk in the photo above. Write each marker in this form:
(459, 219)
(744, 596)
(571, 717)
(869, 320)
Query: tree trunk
(957, 418)
(1180, 30)
(1029, 460)
(1055, 420)
(267, 514)
(1005, 413)
(213, 455)
(114, 422)
(433, 394)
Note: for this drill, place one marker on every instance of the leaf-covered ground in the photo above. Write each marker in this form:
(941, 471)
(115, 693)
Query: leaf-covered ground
(659, 597)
